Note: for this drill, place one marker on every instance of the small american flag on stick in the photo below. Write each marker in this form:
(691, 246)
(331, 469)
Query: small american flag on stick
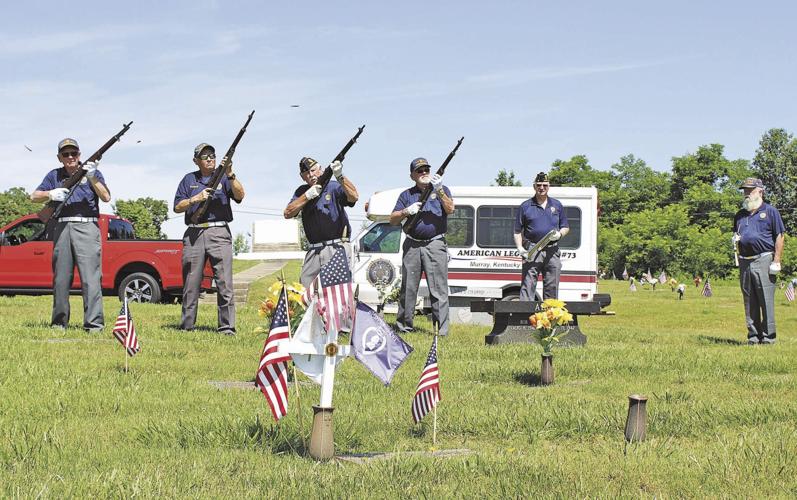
(272, 374)
(427, 394)
(125, 332)
(336, 295)
(707, 289)
(789, 292)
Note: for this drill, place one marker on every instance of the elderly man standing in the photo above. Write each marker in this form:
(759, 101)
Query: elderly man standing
(324, 218)
(758, 231)
(210, 238)
(536, 218)
(425, 249)
(76, 236)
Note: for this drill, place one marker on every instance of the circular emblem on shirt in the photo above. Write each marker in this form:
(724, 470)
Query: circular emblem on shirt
(433, 196)
(84, 180)
(328, 197)
(553, 210)
(763, 215)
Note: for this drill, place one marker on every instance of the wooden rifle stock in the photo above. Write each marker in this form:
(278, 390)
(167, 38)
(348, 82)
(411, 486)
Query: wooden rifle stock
(326, 176)
(53, 208)
(411, 223)
(215, 179)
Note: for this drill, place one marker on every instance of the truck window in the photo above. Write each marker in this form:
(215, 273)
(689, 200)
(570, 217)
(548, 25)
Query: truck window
(23, 232)
(382, 238)
(496, 227)
(119, 229)
(459, 232)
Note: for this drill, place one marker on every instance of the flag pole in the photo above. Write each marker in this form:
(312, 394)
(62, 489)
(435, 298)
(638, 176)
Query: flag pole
(293, 365)
(434, 425)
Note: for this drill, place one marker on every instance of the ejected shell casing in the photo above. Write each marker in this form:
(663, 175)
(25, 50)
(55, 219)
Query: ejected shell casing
(636, 424)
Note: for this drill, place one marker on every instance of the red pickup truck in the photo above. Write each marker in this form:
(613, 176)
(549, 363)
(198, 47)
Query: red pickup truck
(145, 270)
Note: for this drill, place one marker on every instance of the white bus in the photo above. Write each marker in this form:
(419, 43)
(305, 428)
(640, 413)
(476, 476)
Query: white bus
(483, 262)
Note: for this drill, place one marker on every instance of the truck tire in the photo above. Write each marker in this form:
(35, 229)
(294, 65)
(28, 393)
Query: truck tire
(140, 287)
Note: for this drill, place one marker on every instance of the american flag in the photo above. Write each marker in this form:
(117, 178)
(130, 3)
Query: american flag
(663, 278)
(707, 289)
(790, 292)
(336, 296)
(632, 287)
(125, 332)
(272, 375)
(427, 394)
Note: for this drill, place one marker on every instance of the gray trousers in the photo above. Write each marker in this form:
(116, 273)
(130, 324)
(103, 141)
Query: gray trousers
(315, 258)
(547, 263)
(199, 244)
(77, 243)
(432, 258)
(758, 291)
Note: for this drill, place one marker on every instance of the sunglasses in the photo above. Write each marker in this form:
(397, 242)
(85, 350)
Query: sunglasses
(423, 170)
(70, 154)
(207, 157)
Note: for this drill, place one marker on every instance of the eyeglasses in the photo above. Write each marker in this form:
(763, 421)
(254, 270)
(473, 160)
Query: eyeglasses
(423, 170)
(70, 154)
(207, 157)
(541, 186)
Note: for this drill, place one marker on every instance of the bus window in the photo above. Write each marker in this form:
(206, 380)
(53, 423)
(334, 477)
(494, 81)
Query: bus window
(496, 227)
(382, 238)
(459, 233)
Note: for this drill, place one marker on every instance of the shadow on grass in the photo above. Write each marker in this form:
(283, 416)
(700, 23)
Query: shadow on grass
(528, 378)
(176, 327)
(719, 340)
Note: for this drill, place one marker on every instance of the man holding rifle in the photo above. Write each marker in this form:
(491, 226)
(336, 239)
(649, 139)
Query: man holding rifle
(76, 235)
(324, 218)
(758, 236)
(425, 248)
(537, 217)
(209, 237)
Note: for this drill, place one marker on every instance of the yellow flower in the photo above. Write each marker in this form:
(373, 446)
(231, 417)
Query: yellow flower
(548, 303)
(567, 318)
(533, 320)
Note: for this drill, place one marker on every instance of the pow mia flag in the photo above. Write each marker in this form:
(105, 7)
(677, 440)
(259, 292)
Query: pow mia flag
(376, 345)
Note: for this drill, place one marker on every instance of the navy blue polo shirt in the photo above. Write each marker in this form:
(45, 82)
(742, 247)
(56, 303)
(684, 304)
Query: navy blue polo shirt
(534, 221)
(325, 217)
(758, 230)
(219, 208)
(433, 220)
(84, 202)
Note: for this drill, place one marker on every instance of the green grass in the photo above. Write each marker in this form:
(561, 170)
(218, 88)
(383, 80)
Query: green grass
(721, 415)
(239, 265)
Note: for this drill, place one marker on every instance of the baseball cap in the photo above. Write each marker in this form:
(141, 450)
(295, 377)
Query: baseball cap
(200, 147)
(541, 177)
(418, 163)
(306, 163)
(752, 182)
(67, 142)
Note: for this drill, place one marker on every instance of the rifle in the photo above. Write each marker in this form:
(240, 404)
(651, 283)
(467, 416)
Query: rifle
(326, 176)
(411, 223)
(53, 208)
(534, 250)
(215, 179)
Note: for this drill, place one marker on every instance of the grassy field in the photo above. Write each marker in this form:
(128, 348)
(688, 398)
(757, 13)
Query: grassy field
(722, 416)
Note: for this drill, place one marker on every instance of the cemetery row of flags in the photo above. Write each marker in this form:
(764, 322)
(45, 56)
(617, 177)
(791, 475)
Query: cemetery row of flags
(373, 342)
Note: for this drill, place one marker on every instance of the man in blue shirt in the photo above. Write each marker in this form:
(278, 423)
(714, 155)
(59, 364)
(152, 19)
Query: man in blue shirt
(758, 233)
(536, 218)
(425, 249)
(324, 218)
(210, 238)
(76, 235)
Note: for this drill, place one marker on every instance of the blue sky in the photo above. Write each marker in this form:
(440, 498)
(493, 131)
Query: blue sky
(526, 83)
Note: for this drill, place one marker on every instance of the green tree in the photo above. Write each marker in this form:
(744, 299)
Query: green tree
(505, 178)
(642, 187)
(240, 244)
(775, 163)
(146, 214)
(14, 203)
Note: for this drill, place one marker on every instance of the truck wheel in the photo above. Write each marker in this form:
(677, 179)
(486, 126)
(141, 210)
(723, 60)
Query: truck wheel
(140, 287)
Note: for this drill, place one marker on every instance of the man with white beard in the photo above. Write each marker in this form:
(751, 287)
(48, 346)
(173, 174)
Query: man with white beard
(758, 231)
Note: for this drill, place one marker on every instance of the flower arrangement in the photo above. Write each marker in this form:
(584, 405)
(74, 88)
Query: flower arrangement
(553, 314)
(296, 306)
(388, 295)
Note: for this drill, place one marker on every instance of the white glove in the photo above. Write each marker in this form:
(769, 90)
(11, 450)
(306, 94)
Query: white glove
(57, 194)
(337, 169)
(556, 236)
(413, 209)
(774, 268)
(735, 238)
(90, 168)
(436, 181)
(313, 192)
